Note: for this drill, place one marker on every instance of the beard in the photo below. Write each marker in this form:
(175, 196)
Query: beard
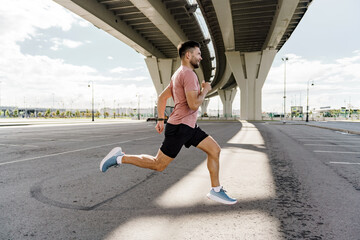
(194, 63)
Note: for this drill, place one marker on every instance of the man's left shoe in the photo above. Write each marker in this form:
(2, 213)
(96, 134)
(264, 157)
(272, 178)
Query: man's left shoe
(221, 197)
(111, 159)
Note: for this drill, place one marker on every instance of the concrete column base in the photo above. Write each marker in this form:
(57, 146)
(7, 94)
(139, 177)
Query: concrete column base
(250, 70)
(227, 98)
(204, 106)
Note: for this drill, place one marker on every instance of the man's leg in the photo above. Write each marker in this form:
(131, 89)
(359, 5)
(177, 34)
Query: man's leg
(158, 163)
(212, 149)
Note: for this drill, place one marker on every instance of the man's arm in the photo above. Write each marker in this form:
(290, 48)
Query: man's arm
(194, 99)
(163, 97)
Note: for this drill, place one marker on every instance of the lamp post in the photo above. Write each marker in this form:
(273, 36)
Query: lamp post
(114, 109)
(138, 95)
(25, 106)
(307, 101)
(92, 99)
(53, 102)
(104, 108)
(285, 59)
(0, 93)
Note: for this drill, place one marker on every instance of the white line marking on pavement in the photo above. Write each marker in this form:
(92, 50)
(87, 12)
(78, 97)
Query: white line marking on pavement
(80, 139)
(347, 163)
(319, 151)
(35, 138)
(330, 140)
(72, 151)
(329, 145)
(310, 138)
(17, 145)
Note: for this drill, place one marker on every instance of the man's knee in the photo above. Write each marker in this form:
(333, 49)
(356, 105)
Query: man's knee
(160, 166)
(161, 161)
(214, 151)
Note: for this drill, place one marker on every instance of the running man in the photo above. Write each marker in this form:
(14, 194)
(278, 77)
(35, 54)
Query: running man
(181, 128)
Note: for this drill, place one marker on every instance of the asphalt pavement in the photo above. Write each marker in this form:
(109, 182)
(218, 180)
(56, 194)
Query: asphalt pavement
(292, 181)
(343, 126)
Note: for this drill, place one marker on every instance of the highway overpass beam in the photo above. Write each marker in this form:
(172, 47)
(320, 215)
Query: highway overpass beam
(250, 70)
(227, 98)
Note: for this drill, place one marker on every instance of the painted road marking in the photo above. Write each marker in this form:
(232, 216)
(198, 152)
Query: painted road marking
(330, 140)
(346, 163)
(329, 145)
(17, 145)
(72, 151)
(319, 151)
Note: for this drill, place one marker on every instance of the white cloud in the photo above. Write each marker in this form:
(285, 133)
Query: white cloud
(40, 80)
(57, 43)
(125, 70)
(32, 15)
(335, 84)
(71, 44)
(136, 79)
(34, 80)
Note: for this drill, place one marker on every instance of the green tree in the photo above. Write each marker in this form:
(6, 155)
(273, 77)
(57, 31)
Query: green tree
(68, 114)
(7, 113)
(47, 113)
(16, 113)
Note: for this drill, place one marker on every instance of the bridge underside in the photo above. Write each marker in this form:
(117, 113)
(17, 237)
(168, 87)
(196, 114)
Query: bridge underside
(246, 36)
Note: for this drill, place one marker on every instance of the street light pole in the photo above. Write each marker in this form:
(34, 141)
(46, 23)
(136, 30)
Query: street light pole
(285, 59)
(114, 108)
(0, 93)
(138, 95)
(307, 101)
(92, 99)
(53, 102)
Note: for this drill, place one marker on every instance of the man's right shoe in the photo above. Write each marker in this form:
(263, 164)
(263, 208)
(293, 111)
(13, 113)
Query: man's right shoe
(111, 159)
(221, 197)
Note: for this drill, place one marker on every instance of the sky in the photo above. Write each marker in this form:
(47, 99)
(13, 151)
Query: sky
(50, 56)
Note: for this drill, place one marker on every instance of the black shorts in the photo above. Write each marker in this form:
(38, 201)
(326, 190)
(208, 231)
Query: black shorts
(178, 135)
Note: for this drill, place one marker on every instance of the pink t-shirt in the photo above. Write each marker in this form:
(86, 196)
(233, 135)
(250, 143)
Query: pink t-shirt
(182, 81)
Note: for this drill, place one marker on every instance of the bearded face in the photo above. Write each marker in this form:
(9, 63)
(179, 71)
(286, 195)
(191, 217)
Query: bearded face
(195, 58)
(194, 62)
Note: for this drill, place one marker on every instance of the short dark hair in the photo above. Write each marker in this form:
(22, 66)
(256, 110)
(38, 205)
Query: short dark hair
(186, 46)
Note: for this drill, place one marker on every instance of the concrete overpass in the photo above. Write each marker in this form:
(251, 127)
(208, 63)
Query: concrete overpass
(245, 34)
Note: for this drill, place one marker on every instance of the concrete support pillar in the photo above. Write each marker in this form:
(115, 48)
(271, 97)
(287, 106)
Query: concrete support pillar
(161, 70)
(227, 98)
(204, 106)
(250, 70)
